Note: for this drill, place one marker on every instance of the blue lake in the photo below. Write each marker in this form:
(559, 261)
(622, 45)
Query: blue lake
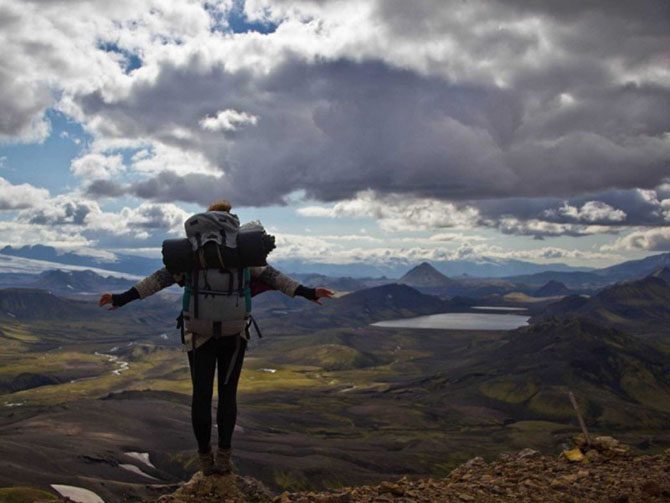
(459, 321)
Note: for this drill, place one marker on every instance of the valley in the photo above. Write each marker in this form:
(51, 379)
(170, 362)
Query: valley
(326, 398)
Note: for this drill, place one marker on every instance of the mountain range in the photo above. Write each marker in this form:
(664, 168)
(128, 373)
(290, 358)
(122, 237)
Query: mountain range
(485, 267)
(128, 264)
(621, 379)
(640, 306)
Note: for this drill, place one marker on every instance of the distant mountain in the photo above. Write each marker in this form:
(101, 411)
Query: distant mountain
(597, 278)
(636, 268)
(33, 304)
(19, 268)
(488, 267)
(360, 308)
(425, 276)
(663, 273)
(573, 280)
(552, 289)
(340, 284)
(641, 307)
(124, 263)
(79, 282)
(484, 268)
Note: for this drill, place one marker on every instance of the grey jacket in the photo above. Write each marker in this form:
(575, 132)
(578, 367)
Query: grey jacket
(163, 279)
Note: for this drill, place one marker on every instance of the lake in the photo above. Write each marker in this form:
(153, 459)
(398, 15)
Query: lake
(459, 321)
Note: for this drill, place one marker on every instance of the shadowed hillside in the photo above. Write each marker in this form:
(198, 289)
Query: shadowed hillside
(640, 307)
(33, 304)
(621, 379)
(362, 307)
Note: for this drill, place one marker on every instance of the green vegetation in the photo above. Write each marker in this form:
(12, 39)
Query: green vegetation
(20, 494)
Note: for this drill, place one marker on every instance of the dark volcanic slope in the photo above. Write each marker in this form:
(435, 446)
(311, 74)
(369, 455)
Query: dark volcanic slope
(32, 304)
(641, 306)
(619, 379)
(425, 276)
(663, 273)
(636, 268)
(552, 289)
(364, 307)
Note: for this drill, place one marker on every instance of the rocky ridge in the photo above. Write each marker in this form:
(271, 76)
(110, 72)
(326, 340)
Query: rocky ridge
(603, 470)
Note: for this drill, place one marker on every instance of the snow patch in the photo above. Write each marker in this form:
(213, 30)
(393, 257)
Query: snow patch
(137, 471)
(78, 494)
(271, 371)
(142, 457)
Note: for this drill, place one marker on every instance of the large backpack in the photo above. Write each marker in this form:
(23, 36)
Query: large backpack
(217, 300)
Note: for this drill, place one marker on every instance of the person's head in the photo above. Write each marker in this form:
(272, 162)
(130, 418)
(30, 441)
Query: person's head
(220, 205)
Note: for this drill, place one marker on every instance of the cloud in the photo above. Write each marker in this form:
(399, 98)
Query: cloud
(228, 120)
(591, 212)
(533, 118)
(20, 196)
(653, 240)
(323, 249)
(94, 166)
(544, 103)
(61, 210)
(396, 213)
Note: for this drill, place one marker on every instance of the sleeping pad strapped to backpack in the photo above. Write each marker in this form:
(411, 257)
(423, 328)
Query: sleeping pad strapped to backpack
(217, 297)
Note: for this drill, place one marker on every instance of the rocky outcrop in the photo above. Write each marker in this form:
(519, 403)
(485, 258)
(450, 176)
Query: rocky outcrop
(603, 470)
(220, 489)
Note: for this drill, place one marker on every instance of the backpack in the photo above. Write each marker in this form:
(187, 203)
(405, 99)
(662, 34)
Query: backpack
(217, 300)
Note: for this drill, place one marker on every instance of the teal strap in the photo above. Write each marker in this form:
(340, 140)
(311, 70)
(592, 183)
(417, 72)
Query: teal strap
(247, 289)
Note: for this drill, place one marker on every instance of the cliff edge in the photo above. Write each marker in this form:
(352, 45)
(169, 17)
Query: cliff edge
(604, 470)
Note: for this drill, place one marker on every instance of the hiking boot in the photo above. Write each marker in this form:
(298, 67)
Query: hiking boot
(207, 463)
(223, 463)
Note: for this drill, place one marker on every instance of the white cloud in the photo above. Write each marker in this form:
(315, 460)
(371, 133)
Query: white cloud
(332, 250)
(399, 213)
(228, 120)
(95, 166)
(656, 240)
(20, 196)
(590, 212)
(541, 228)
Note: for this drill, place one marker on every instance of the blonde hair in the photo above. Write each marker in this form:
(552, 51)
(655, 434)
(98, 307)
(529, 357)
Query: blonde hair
(220, 205)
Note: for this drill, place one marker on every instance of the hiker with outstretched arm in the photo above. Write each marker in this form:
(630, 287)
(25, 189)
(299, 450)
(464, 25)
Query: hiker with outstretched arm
(215, 321)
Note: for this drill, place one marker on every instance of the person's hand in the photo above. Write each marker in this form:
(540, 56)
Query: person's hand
(106, 299)
(322, 292)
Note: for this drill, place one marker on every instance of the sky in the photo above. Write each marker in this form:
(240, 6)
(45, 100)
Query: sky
(355, 130)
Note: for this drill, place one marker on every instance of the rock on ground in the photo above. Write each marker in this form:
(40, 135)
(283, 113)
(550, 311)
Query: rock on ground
(219, 489)
(606, 472)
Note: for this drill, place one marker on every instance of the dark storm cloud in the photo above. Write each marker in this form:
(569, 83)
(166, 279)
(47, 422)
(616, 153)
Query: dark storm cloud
(573, 129)
(613, 209)
(58, 211)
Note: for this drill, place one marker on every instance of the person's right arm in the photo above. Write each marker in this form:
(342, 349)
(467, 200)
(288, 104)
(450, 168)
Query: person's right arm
(142, 289)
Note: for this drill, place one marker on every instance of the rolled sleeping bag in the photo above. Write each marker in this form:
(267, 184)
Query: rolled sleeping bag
(178, 255)
(253, 247)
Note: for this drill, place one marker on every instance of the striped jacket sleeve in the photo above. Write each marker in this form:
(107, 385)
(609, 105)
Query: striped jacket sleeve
(275, 279)
(154, 283)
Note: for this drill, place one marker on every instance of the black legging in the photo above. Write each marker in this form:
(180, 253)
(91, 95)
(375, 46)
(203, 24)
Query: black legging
(202, 366)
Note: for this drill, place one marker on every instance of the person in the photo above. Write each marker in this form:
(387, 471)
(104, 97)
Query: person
(205, 353)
